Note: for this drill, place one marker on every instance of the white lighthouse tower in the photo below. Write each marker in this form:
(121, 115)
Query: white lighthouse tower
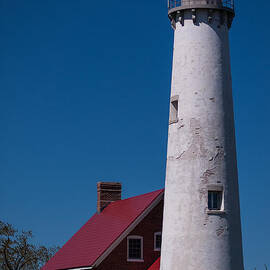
(201, 227)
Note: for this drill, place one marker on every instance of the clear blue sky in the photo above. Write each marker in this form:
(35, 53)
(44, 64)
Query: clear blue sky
(84, 92)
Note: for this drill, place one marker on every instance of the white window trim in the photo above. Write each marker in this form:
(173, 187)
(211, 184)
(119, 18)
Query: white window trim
(222, 208)
(155, 245)
(174, 111)
(135, 237)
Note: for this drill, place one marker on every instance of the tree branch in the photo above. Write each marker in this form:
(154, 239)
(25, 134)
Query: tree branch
(27, 261)
(6, 258)
(18, 263)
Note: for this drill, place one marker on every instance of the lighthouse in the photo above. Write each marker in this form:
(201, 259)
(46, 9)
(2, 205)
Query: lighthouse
(201, 223)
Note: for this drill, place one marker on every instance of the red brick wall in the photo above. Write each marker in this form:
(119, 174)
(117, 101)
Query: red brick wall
(117, 260)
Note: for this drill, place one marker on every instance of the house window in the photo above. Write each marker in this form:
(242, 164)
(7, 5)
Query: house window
(135, 248)
(157, 241)
(214, 200)
(174, 110)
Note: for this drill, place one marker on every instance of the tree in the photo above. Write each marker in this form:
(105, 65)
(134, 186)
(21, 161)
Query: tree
(17, 252)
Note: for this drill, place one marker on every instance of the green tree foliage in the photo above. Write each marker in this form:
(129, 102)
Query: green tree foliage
(17, 252)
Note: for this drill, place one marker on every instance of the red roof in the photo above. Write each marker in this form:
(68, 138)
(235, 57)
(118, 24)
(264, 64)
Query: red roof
(100, 232)
(155, 265)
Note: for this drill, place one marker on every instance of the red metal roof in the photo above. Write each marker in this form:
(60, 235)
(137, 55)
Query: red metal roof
(155, 265)
(98, 234)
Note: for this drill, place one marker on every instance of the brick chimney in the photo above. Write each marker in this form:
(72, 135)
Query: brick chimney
(107, 192)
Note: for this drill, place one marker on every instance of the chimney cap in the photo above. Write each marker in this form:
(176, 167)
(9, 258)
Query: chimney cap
(109, 183)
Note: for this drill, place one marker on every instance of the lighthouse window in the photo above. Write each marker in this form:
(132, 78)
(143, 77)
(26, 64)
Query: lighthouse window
(135, 248)
(214, 200)
(157, 241)
(174, 110)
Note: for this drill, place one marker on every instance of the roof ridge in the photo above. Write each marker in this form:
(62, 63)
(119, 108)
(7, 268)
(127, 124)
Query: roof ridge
(137, 196)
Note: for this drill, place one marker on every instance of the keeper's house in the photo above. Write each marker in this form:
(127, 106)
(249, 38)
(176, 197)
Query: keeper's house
(122, 235)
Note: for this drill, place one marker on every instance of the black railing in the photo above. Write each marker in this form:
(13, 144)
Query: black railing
(177, 3)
